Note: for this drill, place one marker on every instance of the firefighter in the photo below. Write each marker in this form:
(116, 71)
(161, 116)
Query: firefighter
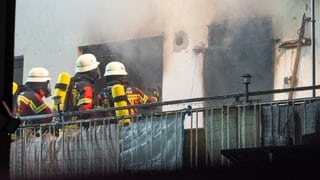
(87, 74)
(30, 95)
(116, 74)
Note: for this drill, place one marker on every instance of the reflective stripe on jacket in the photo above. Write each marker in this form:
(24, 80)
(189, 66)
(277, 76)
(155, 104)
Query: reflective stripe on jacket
(31, 103)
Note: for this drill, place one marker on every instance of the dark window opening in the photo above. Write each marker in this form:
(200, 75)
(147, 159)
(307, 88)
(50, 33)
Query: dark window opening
(18, 69)
(236, 48)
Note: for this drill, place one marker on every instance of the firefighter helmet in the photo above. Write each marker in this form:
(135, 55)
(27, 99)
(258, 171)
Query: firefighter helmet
(115, 68)
(86, 62)
(38, 74)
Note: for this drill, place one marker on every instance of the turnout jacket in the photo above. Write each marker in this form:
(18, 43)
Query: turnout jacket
(134, 96)
(81, 96)
(83, 93)
(31, 103)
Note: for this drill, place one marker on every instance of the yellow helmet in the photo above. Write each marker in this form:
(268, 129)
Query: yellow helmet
(115, 68)
(86, 62)
(38, 74)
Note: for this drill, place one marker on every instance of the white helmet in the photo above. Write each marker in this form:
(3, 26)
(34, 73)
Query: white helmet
(115, 68)
(86, 62)
(38, 74)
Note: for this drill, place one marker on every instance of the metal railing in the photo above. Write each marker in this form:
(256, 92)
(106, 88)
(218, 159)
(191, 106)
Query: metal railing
(158, 140)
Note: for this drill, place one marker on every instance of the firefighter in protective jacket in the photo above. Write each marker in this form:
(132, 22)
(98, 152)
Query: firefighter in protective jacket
(83, 91)
(117, 76)
(30, 95)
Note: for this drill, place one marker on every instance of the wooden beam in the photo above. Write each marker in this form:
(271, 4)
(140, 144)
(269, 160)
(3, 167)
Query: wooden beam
(294, 43)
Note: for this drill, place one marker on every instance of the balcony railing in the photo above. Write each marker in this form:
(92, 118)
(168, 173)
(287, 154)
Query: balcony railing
(176, 135)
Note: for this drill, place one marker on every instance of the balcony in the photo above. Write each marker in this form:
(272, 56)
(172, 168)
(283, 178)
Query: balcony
(219, 138)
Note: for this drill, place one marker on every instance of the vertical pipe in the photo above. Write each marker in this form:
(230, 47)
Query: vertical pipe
(243, 125)
(255, 125)
(238, 128)
(259, 125)
(247, 92)
(165, 140)
(147, 143)
(151, 142)
(222, 132)
(294, 125)
(211, 136)
(228, 130)
(313, 47)
(40, 150)
(191, 142)
(196, 140)
(271, 125)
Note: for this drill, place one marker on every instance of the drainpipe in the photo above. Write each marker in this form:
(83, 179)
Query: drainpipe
(313, 41)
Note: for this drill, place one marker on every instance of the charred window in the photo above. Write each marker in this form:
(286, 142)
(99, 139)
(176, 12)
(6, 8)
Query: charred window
(236, 48)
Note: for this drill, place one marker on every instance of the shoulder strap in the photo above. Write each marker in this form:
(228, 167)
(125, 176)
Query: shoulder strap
(69, 101)
(20, 89)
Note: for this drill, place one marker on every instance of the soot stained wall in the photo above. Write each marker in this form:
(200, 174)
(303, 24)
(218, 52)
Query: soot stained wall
(234, 49)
